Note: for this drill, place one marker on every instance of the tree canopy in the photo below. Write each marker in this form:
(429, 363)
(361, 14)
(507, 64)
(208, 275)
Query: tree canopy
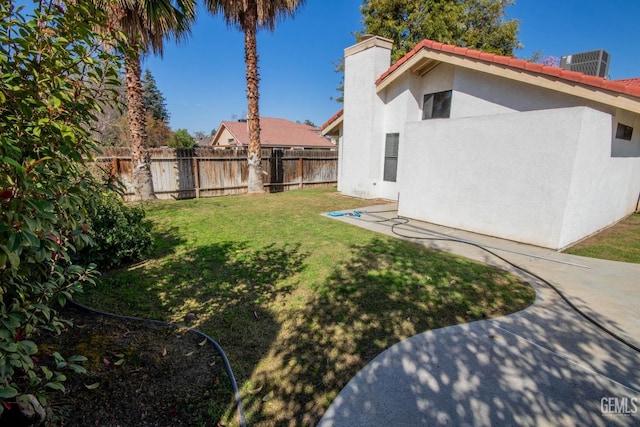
(112, 126)
(249, 16)
(182, 139)
(477, 24)
(144, 26)
(154, 101)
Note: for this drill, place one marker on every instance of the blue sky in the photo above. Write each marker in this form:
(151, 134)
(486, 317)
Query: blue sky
(203, 78)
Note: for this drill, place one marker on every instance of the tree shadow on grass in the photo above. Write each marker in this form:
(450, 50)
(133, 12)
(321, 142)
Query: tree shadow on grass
(388, 290)
(227, 290)
(165, 242)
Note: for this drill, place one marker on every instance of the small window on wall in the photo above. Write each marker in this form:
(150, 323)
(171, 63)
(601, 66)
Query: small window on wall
(436, 105)
(391, 157)
(624, 132)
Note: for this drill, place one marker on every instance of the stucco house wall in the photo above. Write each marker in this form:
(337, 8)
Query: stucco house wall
(474, 174)
(482, 94)
(365, 62)
(401, 104)
(624, 148)
(603, 188)
(513, 160)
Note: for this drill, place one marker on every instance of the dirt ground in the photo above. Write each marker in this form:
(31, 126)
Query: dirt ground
(138, 374)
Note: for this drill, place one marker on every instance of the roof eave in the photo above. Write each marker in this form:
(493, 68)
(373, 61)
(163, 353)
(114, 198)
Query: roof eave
(217, 135)
(333, 128)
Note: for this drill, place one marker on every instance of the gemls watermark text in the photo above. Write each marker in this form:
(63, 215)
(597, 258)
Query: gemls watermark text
(619, 405)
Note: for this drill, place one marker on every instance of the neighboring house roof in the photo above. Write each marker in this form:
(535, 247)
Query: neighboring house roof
(428, 54)
(207, 140)
(276, 133)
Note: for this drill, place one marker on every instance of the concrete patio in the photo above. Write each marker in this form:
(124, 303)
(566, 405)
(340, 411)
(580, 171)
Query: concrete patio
(545, 365)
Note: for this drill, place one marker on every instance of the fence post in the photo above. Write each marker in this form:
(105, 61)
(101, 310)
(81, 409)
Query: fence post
(300, 171)
(196, 174)
(114, 166)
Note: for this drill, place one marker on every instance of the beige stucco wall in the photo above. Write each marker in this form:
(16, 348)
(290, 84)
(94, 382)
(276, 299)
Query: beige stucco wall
(223, 138)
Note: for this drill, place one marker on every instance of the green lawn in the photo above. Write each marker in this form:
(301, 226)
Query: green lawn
(299, 302)
(618, 243)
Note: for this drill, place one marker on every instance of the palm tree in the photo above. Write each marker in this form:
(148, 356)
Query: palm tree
(248, 16)
(146, 25)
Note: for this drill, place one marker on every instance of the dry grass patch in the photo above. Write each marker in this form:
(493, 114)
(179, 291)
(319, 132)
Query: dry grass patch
(618, 243)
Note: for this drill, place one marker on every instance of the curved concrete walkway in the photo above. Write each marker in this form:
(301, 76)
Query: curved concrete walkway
(545, 365)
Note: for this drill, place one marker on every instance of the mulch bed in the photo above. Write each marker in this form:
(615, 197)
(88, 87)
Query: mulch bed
(138, 374)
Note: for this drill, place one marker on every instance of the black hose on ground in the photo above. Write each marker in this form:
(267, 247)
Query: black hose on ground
(401, 221)
(227, 365)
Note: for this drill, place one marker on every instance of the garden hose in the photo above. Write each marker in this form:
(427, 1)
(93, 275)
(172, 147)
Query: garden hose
(227, 365)
(401, 221)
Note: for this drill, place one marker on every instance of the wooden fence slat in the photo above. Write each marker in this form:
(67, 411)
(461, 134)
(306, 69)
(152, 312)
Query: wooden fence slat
(208, 172)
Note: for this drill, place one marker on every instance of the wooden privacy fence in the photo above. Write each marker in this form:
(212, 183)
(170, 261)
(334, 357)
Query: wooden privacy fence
(207, 172)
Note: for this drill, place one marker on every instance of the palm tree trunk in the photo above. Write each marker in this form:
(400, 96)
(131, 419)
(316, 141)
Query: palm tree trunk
(255, 183)
(140, 156)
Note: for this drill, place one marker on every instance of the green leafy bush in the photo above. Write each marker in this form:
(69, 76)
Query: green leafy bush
(182, 139)
(120, 233)
(52, 68)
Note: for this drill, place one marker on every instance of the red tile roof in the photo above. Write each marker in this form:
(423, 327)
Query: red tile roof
(630, 82)
(333, 118)
(626, 87)
(623, 86)
(279, 133)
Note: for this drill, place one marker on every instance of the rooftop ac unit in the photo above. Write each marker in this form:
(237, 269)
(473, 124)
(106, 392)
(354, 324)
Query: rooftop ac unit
(593, 63)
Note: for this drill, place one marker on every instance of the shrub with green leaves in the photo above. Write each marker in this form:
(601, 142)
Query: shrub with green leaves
(182, 139)
(120, 233)
(52, 68)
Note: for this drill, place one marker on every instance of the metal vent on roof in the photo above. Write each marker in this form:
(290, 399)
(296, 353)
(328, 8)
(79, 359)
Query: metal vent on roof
(593, 63)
